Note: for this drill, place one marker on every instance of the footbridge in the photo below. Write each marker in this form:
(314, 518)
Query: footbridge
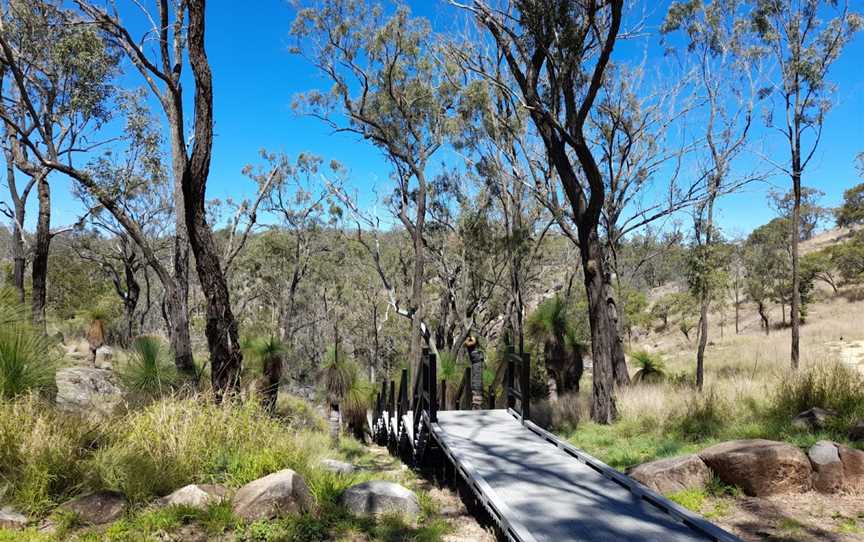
(533, 485)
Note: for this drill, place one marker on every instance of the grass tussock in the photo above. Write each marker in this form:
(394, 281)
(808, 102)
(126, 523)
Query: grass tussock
(672, 418)
(834, 387)
(175, 442)
(42, 454)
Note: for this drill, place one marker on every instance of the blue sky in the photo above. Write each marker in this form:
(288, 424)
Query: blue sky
(255, 78)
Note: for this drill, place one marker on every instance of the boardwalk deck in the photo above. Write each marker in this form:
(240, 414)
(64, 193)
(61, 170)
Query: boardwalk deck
(543, 493)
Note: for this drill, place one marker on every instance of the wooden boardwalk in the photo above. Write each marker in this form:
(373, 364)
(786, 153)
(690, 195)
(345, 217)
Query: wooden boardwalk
(534, 486)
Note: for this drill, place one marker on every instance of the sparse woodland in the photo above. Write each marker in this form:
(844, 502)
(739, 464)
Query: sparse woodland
(543, 190)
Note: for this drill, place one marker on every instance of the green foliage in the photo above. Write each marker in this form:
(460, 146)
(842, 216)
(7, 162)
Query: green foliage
(848, 258)
(851, 212)
(175, 442)
(768, 264)
(42, 454)
(149, 369)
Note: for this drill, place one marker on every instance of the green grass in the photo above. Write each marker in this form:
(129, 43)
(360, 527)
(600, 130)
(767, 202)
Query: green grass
(701, 420)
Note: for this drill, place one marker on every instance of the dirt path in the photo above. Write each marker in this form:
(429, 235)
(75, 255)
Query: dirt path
(451, 508)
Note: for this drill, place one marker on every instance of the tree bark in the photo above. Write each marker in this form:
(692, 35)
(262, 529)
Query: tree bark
(41, 246)
(605, 339)
(222, 335)
(796, 272)
(19, 255)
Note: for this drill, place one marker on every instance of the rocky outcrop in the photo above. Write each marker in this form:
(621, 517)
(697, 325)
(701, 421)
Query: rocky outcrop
(12, 520)
(673, 474)
(283, 492)
(813, 419)
(379, 497)
(339, 467)
(198, 496)
(760, 467)
(88, 391)
(96, 508)
(827, 467)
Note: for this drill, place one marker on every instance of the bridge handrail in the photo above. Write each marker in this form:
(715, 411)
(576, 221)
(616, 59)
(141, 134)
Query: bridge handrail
(462, 399)
(518, 364)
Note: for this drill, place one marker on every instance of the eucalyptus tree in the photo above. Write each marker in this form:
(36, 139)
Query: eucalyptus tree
(180, 34)
(804, 38)
(56, 87)
(388, 89)
(727, 66)
(557, 51)
(16, 212)
(135, 176)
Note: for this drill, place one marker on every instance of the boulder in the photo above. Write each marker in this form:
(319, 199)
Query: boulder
(760, 467)
(856, 434)
(104, 357)
(378, 497)
(278, 493)
(853, 467)
(673, 474)
(88, 391)
(10, 519)
(339, 467)
(198, 496)
(96, 508)
(812, 419)
(827, 468)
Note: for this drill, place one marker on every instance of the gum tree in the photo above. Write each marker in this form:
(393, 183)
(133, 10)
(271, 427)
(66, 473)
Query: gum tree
(804, 38)
(389, 89)
(557, 52)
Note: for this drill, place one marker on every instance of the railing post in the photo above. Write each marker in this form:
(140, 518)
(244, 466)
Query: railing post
(442, 395)
(464, 396)
(402, 407)
(391, 403)
(510, 378)
(526, 386)
(433, 388)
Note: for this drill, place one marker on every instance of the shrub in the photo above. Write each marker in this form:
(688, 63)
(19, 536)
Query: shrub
(299, 413)
(41, 453)
(148, 370)
(175, 442)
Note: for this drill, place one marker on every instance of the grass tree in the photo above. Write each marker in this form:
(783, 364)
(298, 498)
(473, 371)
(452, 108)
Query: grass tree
(27, 358)
(550, 326)
(270, 353)
(338, 377)
(148, 371)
